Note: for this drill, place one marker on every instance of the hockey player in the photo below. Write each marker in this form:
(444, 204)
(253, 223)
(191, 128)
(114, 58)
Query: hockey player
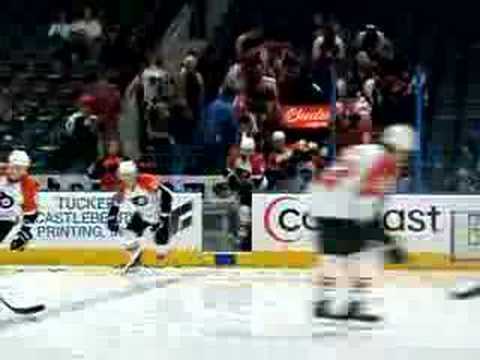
(246, 174)
(18, 201)
(150, 204)
(347, 201)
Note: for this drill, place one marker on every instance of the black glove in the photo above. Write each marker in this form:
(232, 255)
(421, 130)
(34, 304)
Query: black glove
(137, 224)
(162, 234)
(112, 220)
(396, 255)
(23, 237)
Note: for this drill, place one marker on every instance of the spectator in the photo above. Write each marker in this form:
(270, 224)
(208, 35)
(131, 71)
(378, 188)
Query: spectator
(328, 46)
(182, 129)
(60, 39)
(294, 84)
(105, 169)
(328, 50)
(211, 66)
(113, 49)
(155, 83)
(87, 33)
(151, 87)
(159, 138)
(107, 107)
(80, 142)
(248, 41)
(374, 44)
(302, 165)
(247, 125)
(6, 105)
(278, 161)
(245, 174)
(318, 21)
(260, 95)
(191, 86)
(234, 78)
(365, 67)
(60, 28)
(397, 96)
(220, 129)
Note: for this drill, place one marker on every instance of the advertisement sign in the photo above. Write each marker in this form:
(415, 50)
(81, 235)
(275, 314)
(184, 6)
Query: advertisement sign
(424, 223)
(80, 218)
(307, 116)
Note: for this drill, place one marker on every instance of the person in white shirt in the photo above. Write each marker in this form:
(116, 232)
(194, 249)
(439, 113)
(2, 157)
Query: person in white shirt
(328, 44)
(152, 88)
(329, 48)
(60, 27)
(374, 43)
(88, 32)
(59, 35)
(88, 26)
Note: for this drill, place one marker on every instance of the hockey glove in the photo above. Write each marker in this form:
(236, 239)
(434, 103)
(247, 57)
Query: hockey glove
(112, 220)
(23, 237)
(395, 255)
(163, 232)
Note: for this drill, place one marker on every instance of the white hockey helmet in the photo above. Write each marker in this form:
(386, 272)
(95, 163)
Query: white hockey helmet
(19, 158)
(399, 137)
(127, 168)
(278, 136)
(247, 146)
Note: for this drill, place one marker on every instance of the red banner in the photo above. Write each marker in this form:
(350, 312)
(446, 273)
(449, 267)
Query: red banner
(306, 116)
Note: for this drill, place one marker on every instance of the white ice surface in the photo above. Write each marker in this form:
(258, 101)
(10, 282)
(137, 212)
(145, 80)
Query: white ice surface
(221, 314)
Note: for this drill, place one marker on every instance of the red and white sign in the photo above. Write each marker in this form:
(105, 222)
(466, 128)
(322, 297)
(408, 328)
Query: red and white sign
(306, 116)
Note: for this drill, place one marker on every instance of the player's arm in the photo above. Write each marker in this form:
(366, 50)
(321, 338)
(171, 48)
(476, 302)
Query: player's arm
(112, 219)
(162, 234)
(137, 224)
(30, 189)
(381, 177)
(379, 180)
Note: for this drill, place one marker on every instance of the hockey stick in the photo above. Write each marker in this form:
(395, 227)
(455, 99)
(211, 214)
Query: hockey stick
(465, 291)
(23, 310)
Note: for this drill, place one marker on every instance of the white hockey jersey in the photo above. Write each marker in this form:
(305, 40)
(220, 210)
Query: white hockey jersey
(147, 199)
(354, 186)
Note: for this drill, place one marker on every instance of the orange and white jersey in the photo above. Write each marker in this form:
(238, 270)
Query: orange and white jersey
(18, 198)
(145, 198)
(354, 186)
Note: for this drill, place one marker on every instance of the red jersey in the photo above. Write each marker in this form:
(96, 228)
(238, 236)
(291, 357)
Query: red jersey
(355, 184)
(255, 164)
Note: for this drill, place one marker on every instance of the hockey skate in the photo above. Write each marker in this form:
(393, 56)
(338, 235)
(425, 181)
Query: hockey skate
(135, 251)
(465, 290)
(322, 310)
(356, 313)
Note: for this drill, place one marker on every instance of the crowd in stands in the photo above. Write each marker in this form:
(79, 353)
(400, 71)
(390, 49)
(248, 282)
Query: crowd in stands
(72, 109)
(362, 77)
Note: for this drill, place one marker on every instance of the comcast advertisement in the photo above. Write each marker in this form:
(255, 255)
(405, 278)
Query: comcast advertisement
(424, 223)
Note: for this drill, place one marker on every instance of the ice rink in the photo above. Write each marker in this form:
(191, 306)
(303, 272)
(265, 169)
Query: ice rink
(199, 313)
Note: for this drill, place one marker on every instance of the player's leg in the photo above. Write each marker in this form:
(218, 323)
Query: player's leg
(6, 230)
(133, 248)
(361, 274)
(364, 266)
(331, 292)
(245, 220)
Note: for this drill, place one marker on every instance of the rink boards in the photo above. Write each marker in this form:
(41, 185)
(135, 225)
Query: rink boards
(439, 231)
